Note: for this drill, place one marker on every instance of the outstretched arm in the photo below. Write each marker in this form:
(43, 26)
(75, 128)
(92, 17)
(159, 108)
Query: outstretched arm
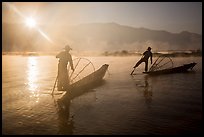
(58, 55)
(71, 63)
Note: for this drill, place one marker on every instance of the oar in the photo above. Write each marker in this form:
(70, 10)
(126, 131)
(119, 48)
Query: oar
(54, 86)
(132, 71)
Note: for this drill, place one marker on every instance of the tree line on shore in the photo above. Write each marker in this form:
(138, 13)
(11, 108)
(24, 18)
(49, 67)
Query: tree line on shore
(169, 54)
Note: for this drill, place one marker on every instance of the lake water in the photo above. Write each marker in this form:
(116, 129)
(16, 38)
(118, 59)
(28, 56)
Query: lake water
(124, 104)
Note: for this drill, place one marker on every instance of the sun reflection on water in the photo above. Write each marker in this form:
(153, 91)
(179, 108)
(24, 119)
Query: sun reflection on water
(32, 78)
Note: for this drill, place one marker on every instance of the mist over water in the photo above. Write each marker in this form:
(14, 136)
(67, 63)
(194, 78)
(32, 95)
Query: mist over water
(123, 104)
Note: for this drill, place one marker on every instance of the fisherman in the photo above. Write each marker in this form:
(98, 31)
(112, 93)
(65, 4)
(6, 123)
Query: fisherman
(145, 58)
(63, 77)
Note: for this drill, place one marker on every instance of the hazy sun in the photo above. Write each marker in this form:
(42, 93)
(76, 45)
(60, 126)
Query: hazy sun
(30, 22)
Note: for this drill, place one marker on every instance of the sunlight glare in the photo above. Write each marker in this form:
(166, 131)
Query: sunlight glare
(30, 22)
(32, 78)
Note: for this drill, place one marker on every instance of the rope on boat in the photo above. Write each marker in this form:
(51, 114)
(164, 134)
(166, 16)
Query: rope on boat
(79, 59)
(163, 64)
(160, 63)
(80, 71)
(74, 68)
(151, 68)
(108, 72)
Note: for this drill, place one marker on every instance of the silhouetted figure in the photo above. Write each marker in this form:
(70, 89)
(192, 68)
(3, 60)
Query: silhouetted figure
(64, 59)
(145, 58)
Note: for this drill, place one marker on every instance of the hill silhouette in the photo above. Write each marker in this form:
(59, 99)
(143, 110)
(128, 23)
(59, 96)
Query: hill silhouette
(98, 37)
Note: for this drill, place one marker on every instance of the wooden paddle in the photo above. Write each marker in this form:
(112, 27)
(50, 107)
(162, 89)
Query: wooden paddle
(54, 86)
(132, 71)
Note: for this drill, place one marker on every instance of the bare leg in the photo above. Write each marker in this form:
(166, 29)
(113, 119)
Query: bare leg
(65, 79)
(138, 63)
(146, 66)
(59, 81)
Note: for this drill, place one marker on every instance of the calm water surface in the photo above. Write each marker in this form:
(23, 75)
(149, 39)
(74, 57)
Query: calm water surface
(167, 104)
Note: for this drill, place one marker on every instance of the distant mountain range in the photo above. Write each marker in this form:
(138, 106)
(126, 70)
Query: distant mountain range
(98, 37)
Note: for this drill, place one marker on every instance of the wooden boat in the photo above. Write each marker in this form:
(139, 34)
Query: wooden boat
(86, 83)
(180, 69)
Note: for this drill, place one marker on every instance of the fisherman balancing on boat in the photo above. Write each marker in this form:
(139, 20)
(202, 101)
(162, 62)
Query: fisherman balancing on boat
(63, 78)
(144, 58)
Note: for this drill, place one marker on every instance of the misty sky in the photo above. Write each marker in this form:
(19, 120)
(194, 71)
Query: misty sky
(170, 16)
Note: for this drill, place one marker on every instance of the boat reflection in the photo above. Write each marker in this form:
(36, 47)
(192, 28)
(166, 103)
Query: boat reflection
(66, 123)
(32, 74)
(147, 91)
(144, 84)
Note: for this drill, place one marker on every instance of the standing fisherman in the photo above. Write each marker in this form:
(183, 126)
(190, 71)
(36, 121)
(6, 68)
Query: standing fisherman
(63, 78)
(145, 58)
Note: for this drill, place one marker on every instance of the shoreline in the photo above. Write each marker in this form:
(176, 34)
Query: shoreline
(123, 53)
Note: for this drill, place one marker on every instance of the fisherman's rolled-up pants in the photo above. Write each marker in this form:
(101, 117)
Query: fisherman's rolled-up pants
(140, 61)
(63, 78)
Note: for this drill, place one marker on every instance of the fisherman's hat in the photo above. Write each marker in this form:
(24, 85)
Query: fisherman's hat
(67, 47)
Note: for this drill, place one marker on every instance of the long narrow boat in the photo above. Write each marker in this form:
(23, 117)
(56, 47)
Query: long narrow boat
(86, 83)
(180, 69)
